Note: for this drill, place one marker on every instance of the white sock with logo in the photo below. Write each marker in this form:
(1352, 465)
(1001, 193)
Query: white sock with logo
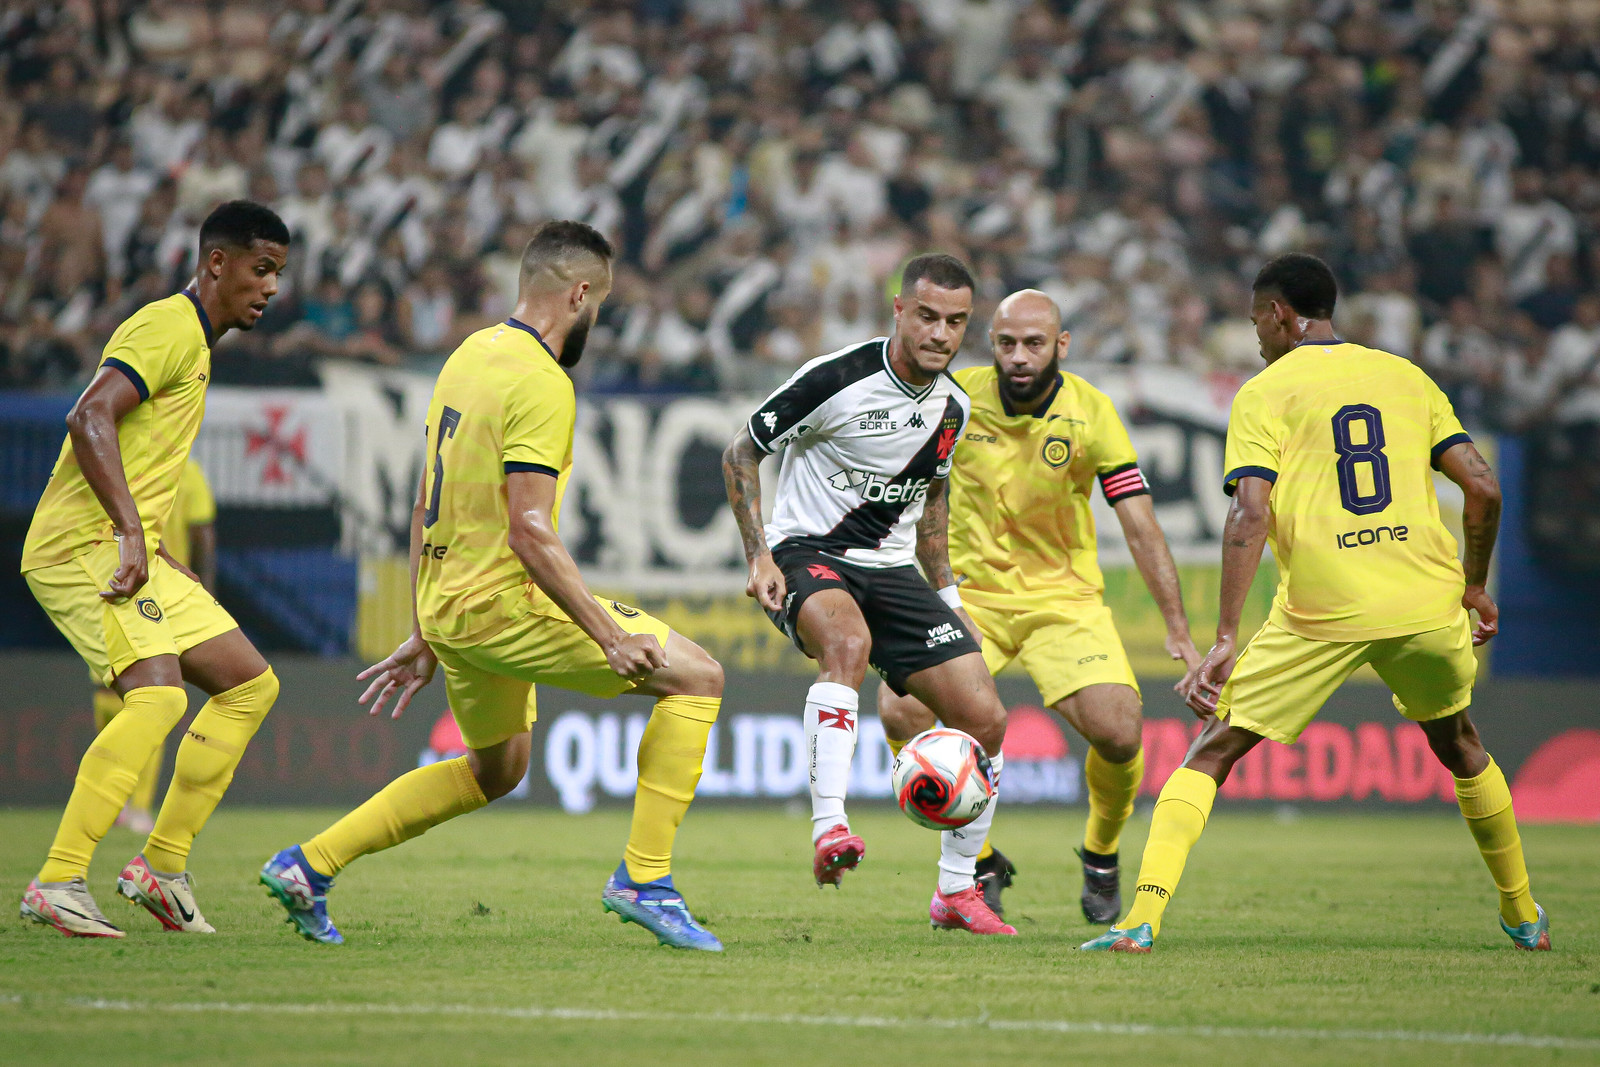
(830, 747)
(958, 849)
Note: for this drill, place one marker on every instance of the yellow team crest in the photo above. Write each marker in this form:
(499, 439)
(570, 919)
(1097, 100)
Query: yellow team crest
(1056, 451)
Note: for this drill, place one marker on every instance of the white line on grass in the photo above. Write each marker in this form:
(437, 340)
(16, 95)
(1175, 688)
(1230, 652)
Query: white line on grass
(870, 1022)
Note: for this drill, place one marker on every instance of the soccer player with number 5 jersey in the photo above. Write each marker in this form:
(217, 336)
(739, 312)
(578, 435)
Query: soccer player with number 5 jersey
(1328, 456)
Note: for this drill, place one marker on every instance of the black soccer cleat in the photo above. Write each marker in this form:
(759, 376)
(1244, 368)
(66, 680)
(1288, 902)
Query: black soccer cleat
(995, 873)
(1102, 889)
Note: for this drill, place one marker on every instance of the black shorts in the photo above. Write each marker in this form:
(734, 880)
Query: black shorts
(911, 628)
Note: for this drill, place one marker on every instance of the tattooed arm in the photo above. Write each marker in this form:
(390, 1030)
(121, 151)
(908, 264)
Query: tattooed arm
(741, 473)
(1480, 523)
(933, 535)
(1243, 537)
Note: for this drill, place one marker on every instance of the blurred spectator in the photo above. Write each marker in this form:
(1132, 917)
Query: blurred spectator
(766, 167)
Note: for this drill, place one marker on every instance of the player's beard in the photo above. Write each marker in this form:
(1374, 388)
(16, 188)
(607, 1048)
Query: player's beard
(1037, 388)
(577, 337)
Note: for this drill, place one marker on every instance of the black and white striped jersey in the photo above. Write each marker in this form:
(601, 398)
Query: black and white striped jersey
(861, 447)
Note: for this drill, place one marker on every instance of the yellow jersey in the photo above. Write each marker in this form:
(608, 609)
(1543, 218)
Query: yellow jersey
(1347, 435)
(502, 404)
(164, 348)
(193, 506)
(1021, 532)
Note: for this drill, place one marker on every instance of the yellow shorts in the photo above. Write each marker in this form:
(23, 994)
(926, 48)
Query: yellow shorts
(170, 615)
(1062, 649)
(489, 680)
(1282, 680)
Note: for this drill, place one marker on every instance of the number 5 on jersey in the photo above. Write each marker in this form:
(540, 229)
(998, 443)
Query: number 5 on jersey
(1354, 454)
(449, 419)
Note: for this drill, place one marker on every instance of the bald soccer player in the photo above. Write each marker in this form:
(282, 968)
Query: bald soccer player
(1022, 542)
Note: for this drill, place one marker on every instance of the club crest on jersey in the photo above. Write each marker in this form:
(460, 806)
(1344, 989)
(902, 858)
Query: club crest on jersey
(1056, 451)
(625, 611)
(148, 608)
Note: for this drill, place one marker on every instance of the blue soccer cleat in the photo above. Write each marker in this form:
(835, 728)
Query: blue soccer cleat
(1534, 936)
(1139, 939)
(303, 893)
(659, 908)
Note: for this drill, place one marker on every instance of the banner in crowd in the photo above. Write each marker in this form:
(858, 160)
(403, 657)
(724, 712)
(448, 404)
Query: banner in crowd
(319, 747)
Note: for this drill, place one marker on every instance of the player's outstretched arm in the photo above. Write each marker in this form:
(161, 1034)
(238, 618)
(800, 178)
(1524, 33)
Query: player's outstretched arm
(1480, 525)
(531, 499)
(933, 550)
(1153, 557)
(92, 427)
(412, 664)
(1244, 535)
(741, 473)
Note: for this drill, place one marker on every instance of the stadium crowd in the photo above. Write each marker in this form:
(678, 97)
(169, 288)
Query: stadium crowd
(766, 166)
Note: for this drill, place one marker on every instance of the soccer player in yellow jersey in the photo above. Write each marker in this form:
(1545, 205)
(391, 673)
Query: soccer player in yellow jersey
(97, 560)
(501, 605)
(1328, 457)
(1022, 544)
(191, 541)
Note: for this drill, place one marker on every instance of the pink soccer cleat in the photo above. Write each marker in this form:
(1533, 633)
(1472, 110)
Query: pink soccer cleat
(966, 910)
(838, 850)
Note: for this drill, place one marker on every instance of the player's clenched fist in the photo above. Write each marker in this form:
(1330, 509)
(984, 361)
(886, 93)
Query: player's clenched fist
(636, 656)
(766, 583)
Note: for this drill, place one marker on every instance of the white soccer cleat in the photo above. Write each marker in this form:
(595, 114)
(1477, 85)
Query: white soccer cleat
(67, 907)
(170, 898)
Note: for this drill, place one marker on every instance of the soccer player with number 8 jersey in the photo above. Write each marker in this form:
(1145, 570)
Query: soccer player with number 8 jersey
(1328, 455)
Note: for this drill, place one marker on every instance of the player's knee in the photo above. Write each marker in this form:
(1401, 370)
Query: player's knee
(847, 652)
(500, 777)
(1121, 738)
(1456, 744)
(988, 724)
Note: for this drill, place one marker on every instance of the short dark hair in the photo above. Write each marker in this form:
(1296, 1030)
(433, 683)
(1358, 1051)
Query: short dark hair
(1304, 281)
(947, 272)
(556, 244)
(240, 224)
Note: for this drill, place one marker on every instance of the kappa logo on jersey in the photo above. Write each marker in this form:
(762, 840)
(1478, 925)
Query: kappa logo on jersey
(877, 489)
(769, 420)
(915, 421)
(824, 572)
(1056, 451)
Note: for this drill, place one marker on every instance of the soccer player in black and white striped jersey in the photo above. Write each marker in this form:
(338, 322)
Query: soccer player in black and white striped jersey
(867, 435)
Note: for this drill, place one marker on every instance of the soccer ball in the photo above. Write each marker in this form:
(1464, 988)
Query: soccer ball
(942, 779)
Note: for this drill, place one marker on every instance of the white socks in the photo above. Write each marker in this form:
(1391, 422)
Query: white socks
(958, 849)
(830, 746)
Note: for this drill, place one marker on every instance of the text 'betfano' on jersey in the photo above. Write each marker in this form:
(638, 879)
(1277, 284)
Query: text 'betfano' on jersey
(1349, 437)
(501, 405)
(861, 448)
(1021, 531)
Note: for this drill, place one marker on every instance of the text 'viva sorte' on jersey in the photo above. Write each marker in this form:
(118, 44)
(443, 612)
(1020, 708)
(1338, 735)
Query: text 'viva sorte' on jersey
(1348, 436)
(861, 446)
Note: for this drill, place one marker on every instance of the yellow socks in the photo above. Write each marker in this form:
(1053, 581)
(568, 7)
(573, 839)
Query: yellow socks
(1486, 804)
(407, 807)
(1112, 787)
(106, 705)
(671, 755)
(1180, 815)
(895, 746)
(206, 760)
(107, 775)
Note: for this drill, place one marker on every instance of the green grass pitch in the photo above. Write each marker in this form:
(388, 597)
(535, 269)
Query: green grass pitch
(1324, 939)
